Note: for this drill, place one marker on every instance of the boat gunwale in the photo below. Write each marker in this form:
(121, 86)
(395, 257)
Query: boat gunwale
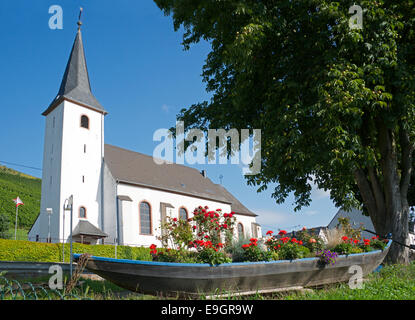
(231, 264)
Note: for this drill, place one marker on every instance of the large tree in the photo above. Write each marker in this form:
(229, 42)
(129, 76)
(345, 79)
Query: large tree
(335, 104)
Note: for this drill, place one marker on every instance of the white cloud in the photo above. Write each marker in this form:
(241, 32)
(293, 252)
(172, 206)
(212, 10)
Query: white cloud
(270, 219)
(317, 193)
(165, 108)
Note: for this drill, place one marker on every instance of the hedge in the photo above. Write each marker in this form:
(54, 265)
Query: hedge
(18, 250)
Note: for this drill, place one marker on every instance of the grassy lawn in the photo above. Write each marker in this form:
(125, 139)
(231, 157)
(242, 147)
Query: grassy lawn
(395, 282)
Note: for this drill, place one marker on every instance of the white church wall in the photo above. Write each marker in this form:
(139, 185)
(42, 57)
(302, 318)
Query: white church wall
(110, 205)
(81, 163)
(132, 234)
(51, 179)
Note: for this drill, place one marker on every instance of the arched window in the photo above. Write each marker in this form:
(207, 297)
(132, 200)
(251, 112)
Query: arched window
(84, 122)
(182, 214)
(145, 218)
(240, 230)
(82, 212)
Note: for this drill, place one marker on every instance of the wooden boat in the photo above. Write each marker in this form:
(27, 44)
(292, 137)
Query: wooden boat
(190, 279)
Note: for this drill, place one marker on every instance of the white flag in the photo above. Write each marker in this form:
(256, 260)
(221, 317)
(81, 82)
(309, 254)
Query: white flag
(18, 202)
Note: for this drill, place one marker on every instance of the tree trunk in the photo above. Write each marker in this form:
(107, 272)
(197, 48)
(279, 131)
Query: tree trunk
(387, 202)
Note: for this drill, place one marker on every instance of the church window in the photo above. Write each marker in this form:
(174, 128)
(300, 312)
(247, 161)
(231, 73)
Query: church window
(240, 230)
(182, 214)
(145, 218)
(85, 122)
(82, 212)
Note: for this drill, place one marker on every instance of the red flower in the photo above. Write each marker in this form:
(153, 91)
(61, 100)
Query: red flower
(194, 227)
(225, 215)
(269, 232)
(153, 246)
(246, 245)
(282, 233)
(344, 238)
(225, 226)
(174, 219)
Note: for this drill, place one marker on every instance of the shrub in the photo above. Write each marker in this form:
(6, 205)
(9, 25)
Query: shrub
(344, 248)
(17, 250)
(378, 244)
(252, 252)
(213, 256)
(291, 251)
(313, 243)
(235, 249)
(171, 255)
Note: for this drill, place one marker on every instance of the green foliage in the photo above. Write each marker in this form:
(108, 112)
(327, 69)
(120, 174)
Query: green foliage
(378, 244)
(344, 248)
(235, 249)
(313, 243)
(4, 226)
(11, 250)
(176, 233)
(13, 184)
(254, 253)
(291, 251)
(212, 256)
(335, 105)
(172, 255)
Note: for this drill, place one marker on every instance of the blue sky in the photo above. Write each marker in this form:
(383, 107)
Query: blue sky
(140, 74)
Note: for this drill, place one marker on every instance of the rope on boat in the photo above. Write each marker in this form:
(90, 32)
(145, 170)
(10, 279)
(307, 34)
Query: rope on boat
(389, 237)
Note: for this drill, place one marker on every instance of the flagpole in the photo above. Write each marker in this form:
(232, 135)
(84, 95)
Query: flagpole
(15, 224)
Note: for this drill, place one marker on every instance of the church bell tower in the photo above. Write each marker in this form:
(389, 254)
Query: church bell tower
(73, 153)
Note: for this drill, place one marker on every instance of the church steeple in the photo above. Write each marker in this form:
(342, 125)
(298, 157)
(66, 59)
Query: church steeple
(75, 84)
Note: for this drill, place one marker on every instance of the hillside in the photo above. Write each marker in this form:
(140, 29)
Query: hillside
(16, 184)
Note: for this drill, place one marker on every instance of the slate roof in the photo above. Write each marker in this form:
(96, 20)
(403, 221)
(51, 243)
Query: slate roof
(139, 169)
(85, 228)
(75, 85)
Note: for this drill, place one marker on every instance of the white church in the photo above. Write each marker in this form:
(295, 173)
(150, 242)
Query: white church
(119, 196)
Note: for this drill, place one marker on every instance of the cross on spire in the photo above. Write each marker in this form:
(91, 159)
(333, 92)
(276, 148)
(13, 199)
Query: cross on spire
(79, 19)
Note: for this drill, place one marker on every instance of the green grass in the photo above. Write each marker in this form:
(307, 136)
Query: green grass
(393, 282)
(21, 234)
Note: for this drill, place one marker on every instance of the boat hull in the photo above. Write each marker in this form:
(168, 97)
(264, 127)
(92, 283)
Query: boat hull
(202, 279)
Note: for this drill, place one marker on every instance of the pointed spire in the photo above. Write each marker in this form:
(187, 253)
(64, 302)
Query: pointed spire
(75, 84)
